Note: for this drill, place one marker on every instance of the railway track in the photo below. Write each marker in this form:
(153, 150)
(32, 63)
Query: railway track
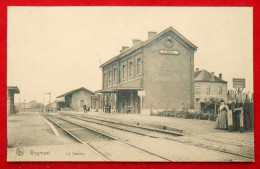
(155, 133)
(145, 131)
(91, 137)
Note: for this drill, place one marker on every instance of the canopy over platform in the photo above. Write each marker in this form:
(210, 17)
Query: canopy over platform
(14, 89)
(115, 90)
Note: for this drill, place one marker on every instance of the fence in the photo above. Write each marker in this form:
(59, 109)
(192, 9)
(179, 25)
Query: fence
(248, 109)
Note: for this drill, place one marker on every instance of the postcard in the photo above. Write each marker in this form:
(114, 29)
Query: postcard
(130, 84)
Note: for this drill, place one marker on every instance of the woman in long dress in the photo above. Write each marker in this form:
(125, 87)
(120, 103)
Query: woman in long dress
(222, 117)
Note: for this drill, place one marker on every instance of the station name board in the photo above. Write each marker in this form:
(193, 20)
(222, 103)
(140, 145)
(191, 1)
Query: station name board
(239, 83)
(169, 52)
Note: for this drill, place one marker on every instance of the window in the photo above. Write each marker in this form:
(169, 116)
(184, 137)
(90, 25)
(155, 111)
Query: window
(130, 69)
(219, 90)
(197, 90)
(105, 78)
(208, 89)
(123, 72)
(114, 74)
(138, 66)
(109, 77)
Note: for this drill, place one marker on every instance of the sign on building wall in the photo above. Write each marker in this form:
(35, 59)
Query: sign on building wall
(239, 83)
(169, 52)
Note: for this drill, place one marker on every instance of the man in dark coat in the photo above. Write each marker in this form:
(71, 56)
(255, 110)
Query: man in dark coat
(85, 108)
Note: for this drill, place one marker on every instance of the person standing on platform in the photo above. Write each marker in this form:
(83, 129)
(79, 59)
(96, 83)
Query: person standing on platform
(85, 108)
(88, 108)
(222, 121)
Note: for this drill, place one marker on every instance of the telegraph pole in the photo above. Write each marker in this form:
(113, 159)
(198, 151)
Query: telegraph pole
(49, 98)
(20, 104)
(24, 105)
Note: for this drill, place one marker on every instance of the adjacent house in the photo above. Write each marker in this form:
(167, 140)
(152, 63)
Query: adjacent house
(154, 74)
(208, 87)
(75, 99)
(11, 91)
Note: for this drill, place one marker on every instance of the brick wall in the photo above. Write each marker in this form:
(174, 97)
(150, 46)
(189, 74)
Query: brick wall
(168, 79)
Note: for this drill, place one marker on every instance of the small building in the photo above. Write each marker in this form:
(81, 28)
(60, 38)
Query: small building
(75, 99)
(11, 91)
(157, 74)
(208, 87)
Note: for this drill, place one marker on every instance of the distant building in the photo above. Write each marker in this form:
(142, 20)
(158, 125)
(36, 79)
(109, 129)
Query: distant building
(55, 105)
(11, 91)
(162, 68)
(207, 86)
(75, 99)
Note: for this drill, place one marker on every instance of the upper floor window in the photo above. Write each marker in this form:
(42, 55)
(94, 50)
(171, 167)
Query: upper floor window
(123, 72)
(208, 89)
(138, 71)
(197, 90)
(114, 74)
(219, 90)
(109, 77)
(130, 69)
(105, 78)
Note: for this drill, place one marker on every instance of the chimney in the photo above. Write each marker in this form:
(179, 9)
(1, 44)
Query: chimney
(151, 34)
(197, 69)
(220, 76)
(135, 41)
(212, 76)
(124, 48)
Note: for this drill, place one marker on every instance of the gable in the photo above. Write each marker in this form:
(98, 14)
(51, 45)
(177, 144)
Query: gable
(169, 44)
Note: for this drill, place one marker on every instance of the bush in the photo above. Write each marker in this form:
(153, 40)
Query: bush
(186, 115)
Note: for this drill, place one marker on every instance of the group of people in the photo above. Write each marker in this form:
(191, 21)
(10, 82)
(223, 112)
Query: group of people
(86, 108)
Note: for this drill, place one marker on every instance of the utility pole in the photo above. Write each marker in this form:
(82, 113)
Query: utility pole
(49, 98)
(24, 106)
(20, 104)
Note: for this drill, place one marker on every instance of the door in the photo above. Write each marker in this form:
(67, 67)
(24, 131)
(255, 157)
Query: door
(81, 103)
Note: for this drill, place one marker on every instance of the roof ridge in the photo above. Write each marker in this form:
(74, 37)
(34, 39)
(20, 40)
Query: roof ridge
(216, 78)
(143, 43)
(75, 90)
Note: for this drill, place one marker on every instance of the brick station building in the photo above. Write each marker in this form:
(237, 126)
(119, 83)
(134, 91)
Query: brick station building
(162, 67)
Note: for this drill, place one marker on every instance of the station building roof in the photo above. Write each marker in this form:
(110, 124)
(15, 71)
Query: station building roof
(205, 76)
(76, 90)
(144, 43)
(14, 89)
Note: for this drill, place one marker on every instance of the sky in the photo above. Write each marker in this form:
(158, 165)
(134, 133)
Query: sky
(58, 49)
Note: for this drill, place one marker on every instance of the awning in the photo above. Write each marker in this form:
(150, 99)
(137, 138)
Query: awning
(115, 90)
(14, 89)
